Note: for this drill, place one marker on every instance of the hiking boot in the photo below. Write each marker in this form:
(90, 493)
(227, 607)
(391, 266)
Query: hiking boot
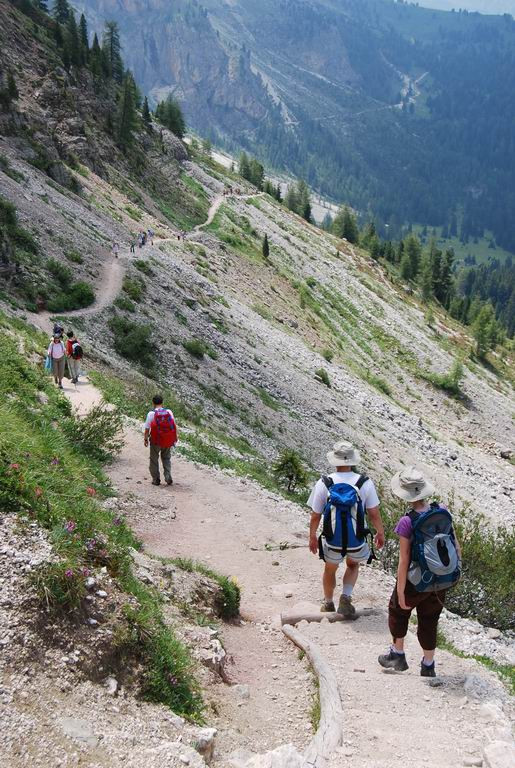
(327, 606)
(345, 607)
(427, 670)
(395, 661)
(156, 482)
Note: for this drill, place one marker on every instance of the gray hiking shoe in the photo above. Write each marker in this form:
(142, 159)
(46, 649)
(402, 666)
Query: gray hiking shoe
(327, 606)
(395, 661)
(345, 607)
(427, 670)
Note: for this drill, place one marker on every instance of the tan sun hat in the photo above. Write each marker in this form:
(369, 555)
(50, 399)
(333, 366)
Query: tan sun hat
(343, 455)
(411, 485)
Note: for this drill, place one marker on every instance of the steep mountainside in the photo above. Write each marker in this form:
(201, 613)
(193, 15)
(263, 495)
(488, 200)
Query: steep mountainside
(399, 110)
(266, 322)
(104, 646)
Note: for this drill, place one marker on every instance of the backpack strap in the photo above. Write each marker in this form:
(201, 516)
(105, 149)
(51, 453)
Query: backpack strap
(327, 481)
(362, 479)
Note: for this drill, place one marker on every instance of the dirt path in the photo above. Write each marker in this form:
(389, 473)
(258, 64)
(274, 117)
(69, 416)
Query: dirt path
(225, 522)
(217, 202)
(110, 287)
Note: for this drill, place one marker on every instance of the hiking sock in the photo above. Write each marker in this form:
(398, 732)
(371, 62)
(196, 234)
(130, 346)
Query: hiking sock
(394, 650)
(347, 590)
(427, 663)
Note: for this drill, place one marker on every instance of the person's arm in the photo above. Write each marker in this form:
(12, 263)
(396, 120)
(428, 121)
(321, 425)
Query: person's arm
(313, 527)
(146, 433)
(402, 569)
(375, 518)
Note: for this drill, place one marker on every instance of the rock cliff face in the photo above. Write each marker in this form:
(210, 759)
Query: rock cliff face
(176, 49)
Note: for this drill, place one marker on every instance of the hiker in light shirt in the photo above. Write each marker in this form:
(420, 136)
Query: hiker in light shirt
(354, 550)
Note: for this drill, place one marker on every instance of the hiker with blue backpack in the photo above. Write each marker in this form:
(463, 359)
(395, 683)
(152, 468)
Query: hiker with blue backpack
(161, 432)
(343, 500)
(429, 564)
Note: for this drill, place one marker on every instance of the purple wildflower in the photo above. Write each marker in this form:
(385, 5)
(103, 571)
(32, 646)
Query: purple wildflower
(70, 526)
(69, 573)
(91, 544)
(117, 520)
(172, 680)
(55, 461)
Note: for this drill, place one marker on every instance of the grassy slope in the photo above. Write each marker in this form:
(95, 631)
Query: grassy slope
(46, 477)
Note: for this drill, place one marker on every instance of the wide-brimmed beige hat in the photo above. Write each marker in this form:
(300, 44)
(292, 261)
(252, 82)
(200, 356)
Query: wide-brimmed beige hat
(411, 485)
(343, 455)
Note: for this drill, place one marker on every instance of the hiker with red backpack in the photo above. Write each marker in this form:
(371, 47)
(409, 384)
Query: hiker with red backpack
(161, 433)
(429, 564)
(74, 356)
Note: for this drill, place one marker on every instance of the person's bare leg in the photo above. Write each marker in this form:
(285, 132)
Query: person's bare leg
(329, 581)
(351, 574)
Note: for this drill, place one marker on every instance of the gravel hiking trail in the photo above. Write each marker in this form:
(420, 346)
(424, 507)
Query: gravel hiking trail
(109, 287)
(236, 527)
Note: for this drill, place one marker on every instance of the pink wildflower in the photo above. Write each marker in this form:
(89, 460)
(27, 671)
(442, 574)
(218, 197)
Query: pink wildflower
(69, 573)
(91, 491)
(70, 526)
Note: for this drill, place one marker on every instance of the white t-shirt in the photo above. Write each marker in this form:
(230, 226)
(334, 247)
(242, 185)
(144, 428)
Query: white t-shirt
(318, 497)
(150, 416)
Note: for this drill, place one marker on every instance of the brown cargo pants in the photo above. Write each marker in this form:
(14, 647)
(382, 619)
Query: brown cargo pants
(155, 451)
(428, 606)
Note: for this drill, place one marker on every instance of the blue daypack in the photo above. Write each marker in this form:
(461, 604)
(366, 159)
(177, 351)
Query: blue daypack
(344, 527)
(435, 563)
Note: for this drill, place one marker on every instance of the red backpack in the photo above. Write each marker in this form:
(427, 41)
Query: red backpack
(163, 429)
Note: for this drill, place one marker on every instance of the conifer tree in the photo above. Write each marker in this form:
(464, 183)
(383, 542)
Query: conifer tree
(12, 88)
(266, 247)
(350, 227)
(169, 113)
(111, 48)
(42, 5)
(61, 11)
(95, 60)
(126, 117)
(243, 166)
(484, 330)
(73, 40)
(446, 279)
(426, 278)
(413, 250)
(58, 35)
(405, 266)
(83, 38)
(304, 204)
(145, 114)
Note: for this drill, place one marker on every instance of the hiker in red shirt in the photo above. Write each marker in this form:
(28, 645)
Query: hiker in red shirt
(74, 356)
(161, 432)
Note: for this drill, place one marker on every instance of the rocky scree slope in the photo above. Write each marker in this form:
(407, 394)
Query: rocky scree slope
(265, 323)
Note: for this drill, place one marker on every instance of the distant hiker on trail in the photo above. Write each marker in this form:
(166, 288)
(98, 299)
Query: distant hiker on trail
(133, 246)
(115, 250)
(343, 499)
(151, 236)
(57, 354)
(429, 563)
(58, 331)
(74, 356)
(161, 431)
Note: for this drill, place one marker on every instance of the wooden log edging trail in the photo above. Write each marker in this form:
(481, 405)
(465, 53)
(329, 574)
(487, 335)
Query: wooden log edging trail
(329, 734)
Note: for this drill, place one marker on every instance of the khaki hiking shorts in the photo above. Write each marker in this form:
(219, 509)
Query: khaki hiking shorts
(335, 557)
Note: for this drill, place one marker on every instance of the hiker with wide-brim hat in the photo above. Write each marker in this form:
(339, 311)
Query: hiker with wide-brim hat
(429, 563)
(344, 500)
